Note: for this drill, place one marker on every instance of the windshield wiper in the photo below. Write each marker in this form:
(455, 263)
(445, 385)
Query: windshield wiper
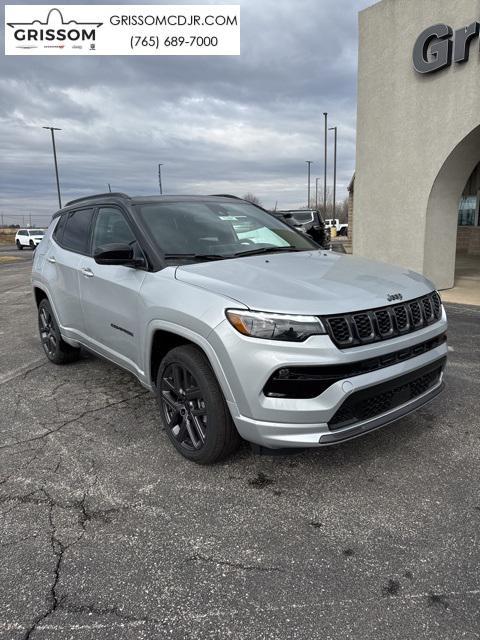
(253, 252)
(194, 256)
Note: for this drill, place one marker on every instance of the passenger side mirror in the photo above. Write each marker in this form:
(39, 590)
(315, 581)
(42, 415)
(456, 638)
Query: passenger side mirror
(116, 253)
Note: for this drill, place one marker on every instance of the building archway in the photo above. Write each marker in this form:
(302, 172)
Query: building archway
(443, 207)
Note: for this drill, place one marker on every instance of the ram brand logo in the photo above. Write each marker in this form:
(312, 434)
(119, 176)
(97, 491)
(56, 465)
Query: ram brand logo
(437, 46)
(53, 30)
(394, 296)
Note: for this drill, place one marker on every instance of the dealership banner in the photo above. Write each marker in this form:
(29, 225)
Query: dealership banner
(105, 30)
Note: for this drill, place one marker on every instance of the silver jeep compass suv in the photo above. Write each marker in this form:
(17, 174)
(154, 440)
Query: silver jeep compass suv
(240, 324)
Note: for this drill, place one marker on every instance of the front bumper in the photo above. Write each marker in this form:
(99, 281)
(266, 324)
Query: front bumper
(247, 364)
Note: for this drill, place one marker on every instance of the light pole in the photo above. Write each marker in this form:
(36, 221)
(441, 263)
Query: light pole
(309, 163)
(325, 114)
(335, 130)
(52, 129)
(160, 165)
(316, 193)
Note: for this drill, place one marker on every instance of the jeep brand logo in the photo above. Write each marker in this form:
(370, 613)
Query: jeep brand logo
(394, 296)
(438, 45)
(54, 29)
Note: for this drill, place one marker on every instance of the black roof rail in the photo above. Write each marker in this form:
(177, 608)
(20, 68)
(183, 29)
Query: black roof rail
(109, 194)
(224, 195)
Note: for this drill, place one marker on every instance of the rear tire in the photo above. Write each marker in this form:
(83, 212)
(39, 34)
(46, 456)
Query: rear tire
(56, 349)
(19, 245)
(32, 245)
(192, 407)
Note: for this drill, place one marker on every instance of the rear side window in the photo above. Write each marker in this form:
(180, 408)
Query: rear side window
(76, 235)
(58, 233)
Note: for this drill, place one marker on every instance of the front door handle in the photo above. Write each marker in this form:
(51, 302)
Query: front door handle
(88, 273)
(51, 259)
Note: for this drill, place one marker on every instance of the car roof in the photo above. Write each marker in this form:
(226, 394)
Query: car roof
(106, 198)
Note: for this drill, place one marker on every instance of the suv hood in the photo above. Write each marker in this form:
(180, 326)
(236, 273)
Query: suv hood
(307, 283)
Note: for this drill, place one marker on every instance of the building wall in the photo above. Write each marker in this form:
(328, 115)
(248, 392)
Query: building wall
(417, 141)
(468, 240)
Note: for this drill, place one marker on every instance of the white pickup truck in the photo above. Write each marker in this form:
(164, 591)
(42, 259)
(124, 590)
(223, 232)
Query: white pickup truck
(342, 228)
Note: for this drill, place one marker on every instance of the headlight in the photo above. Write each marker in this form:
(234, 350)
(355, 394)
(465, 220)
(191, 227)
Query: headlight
(274, 326)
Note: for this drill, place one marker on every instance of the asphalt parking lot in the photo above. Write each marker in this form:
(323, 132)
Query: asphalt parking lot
(107, 533)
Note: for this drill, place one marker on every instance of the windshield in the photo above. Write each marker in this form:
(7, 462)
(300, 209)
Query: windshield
(36, 232)
(218, 230)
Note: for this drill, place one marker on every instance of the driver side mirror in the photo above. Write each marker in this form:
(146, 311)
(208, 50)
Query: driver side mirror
(116, 253)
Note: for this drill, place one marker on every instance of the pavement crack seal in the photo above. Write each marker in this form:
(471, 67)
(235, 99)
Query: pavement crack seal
(197, 557)
(72, 421)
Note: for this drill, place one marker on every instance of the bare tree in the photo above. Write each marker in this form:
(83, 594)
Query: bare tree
(252, 198)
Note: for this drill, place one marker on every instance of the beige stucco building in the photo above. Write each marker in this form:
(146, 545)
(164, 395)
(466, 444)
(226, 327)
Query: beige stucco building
(418, 135)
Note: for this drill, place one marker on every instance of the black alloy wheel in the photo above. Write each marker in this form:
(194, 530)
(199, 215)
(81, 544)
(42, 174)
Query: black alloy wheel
(194, 413)
(184, 407)
(48, 331)
(56, 349)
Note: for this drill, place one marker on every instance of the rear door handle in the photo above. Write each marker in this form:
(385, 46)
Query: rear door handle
(51, 259)
(88, 273)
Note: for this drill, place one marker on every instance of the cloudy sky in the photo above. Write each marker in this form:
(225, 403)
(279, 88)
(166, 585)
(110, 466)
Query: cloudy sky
(219, 124)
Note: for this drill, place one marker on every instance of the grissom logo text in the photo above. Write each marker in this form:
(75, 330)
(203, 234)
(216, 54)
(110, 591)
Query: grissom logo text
(54, 28)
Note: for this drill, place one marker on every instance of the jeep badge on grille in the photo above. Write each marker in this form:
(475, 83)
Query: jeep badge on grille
(394, 296)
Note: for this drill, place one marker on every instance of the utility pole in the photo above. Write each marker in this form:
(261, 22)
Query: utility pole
(335, 130)
(316, 193)
(309, 163)
(160, 165)
(325, 114)
(52, 129)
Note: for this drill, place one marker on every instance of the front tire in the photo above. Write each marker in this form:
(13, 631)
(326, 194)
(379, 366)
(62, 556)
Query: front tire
(19, 245)
(192, 407)
(56, 349)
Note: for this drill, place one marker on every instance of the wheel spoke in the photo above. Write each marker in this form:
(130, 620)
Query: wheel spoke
(177, 377)
(193, 393)
(43, 320)
(196, 441)
(170, 386)
(199, 429)
(198, 412)
(170, 401)
(182, 432)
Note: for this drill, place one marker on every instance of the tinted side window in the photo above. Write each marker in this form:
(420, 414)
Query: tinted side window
(76, 235)
(58, 232)
(111, 226)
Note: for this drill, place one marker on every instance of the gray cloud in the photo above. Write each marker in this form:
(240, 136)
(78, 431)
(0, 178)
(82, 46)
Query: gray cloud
(220, 124)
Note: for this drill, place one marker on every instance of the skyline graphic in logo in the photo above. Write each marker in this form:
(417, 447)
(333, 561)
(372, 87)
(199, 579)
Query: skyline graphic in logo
(55, 12)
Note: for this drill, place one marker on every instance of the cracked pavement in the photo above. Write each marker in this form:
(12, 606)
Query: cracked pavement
(106, 532)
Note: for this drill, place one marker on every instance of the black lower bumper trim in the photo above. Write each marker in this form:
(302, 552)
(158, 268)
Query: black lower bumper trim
(381, 421)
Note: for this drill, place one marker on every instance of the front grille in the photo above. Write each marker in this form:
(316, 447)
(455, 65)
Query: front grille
(363, 327)
(374, 401)
(310, 382)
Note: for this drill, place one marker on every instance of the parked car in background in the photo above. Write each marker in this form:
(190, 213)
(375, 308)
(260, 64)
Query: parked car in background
(240, 324)
(341, 227)
(308, 221)
(28, 238)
